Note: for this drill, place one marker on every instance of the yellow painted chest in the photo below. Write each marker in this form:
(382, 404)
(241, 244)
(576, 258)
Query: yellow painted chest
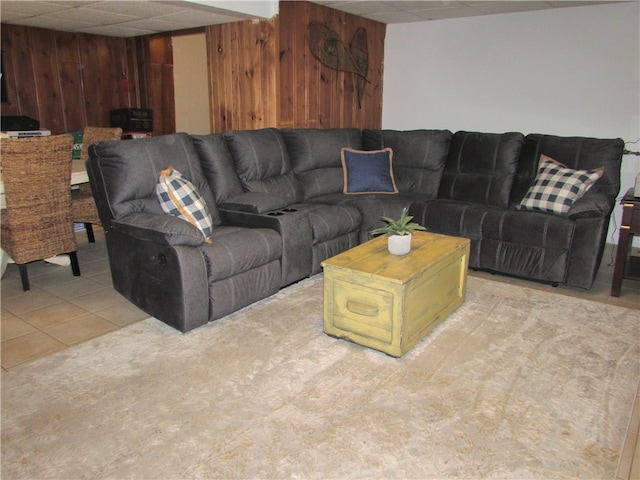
(389, 302)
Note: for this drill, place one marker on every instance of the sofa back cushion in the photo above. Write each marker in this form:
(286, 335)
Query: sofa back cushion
(419, 157)
(481, 167)
(315, 157)
(262, 163)
(577, 153)
(129, 172)
(217, 165)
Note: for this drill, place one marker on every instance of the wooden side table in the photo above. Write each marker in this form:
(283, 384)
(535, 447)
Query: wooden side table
(626, 266)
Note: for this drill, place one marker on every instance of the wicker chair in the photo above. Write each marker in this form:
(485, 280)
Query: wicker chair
(83, 205)
(37, 222)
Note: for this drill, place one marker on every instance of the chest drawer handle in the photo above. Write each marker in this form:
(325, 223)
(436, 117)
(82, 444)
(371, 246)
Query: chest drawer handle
(362, 308)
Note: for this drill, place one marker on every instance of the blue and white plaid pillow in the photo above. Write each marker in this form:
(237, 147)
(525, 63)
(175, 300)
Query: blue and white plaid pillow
(557, 187)
(179, 197)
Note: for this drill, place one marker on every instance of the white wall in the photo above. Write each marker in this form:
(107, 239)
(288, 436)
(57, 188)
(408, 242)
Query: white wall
(191, 83)
(567, 71)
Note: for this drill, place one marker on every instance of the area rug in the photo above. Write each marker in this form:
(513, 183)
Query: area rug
(516, 383)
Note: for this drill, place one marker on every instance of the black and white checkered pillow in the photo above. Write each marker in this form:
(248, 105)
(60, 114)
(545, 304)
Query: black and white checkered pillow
(179, 197)
(556, 187)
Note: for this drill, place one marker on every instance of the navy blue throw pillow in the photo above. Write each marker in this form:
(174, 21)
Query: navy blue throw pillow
(368, 171)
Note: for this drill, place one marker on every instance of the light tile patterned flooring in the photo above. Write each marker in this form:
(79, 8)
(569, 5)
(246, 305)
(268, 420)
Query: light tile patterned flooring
(62, 310)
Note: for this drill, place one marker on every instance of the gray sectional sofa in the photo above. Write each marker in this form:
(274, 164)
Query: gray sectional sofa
(278, 209)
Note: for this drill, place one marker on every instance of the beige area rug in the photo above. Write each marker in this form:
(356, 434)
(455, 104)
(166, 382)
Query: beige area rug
(515, 384)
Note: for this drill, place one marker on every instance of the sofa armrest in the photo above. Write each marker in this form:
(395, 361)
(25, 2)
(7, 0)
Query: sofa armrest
(254, 202)
(169, 282)
(159, 228)
(591, 205)
(587, 247)
(297, 238)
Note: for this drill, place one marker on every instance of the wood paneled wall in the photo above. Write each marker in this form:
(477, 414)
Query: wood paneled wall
(161, 86)
(265, 75)
(314, 95)
(242, 60)
(262, 74)
(69, 80)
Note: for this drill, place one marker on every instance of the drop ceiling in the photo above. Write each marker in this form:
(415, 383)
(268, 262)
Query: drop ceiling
(417, 11)
(123, 18)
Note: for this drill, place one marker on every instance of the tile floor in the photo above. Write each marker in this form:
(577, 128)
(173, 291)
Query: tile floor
(61, 310)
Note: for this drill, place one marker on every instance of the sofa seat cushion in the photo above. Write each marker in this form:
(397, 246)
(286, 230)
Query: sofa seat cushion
(234, 250)
(526, 244)
(371, 206)
(330, 221)
(481, 167)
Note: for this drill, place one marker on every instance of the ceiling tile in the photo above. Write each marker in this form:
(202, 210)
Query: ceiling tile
(369, 8)
(409, 6)
(92, 16)
(103, 17)
(198, 17)
(395, 17)
(141, 8)
(61, 23)
(513, 7)
(31, 8)
(11, 17)
(115, 31)
(446, 12)
(152, 24)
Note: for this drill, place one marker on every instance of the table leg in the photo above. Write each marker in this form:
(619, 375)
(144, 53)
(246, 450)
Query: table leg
(624, 240)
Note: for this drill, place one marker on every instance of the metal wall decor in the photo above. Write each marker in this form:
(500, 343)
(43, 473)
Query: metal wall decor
(326, 46)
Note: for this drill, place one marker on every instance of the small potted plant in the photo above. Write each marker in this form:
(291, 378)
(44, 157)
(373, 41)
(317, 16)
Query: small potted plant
(398, 232)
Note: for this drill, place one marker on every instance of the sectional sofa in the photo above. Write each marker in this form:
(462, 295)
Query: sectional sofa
(281, 201)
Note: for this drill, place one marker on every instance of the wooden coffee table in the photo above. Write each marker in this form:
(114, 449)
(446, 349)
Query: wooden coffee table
(389, 302)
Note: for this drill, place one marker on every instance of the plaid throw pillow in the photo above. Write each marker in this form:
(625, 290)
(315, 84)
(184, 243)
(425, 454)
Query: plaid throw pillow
(179, 197)
(557, 187)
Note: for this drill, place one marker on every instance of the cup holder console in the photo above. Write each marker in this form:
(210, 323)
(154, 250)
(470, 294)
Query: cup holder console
(282, 212)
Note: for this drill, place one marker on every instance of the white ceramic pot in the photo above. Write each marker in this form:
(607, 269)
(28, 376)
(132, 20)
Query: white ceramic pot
(399, 244)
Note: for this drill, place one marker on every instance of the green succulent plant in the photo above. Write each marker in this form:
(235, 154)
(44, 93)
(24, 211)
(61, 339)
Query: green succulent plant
(402, 226)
